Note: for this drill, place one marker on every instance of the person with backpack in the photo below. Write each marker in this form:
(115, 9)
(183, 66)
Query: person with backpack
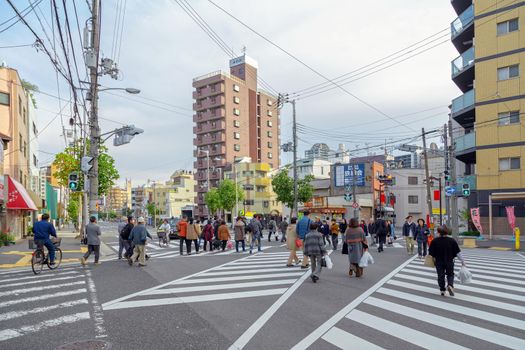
(381, 231)
(272, 228)
(121, 240)
(124, 235)
(139, 235)
(421, 236)
(256, 228)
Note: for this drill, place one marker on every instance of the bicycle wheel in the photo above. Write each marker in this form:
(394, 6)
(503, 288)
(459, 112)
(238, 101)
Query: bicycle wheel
(160, 242)
(58, 259)
(37, 261)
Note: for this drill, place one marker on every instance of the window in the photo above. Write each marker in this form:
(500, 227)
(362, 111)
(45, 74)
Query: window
(248, 187)
(236, 99)
(508, 118)
(266, 204)
(269, 102)
(412, 180)
(412, 199)
(4, 99)
(35, 131)
(20, 109)
(269, 133)
(24, 115)
(270, 144)
(236, 111)
(213, 100)
(270, 155)
(249, 202)
(21, 176)
(508, 26)
(25, 149)
(213, 87)
(509, 163)
(509, 72)
(269, 113)
(20, 143)
(236, 88)
(269, 123)
(237, 147)
(236, 123)
(236, 135)
(260, 189)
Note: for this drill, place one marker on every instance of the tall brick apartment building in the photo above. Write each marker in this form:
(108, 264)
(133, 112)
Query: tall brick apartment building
(233, 119)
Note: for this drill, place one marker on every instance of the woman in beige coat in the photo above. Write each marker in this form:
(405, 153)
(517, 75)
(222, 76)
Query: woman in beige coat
(193, 234)
(291, 235)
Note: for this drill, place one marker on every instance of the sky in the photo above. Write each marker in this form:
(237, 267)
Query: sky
(162, 49)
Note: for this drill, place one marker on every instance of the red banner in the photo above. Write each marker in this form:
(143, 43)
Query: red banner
(476, 219)
(511, 217)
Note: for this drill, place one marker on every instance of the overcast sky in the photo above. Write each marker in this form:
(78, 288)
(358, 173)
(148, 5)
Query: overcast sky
(163, 49)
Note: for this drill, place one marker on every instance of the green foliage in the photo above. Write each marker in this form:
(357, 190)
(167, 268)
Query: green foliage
(212, 200)
(6, 238)
(68, 161)
(305, 190)
(283, 187)
(226, 193)
(72, 209)
(30, 88)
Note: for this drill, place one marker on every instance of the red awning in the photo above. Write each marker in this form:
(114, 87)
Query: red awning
(18, 198)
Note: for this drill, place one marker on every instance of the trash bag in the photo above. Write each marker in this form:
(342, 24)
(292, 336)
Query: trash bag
(329, 263)
(465, 276)
(366, 259)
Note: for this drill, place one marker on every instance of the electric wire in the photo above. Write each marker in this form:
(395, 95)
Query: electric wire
(20, 16)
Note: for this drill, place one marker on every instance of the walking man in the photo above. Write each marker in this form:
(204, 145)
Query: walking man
(372, 231)
(409, 232)
(283, 227)
(122, 241)
(92, 233)
(302, 228)
(381, 232)
(272, 228)
(182, 227)
(256, 230)
(139, 235)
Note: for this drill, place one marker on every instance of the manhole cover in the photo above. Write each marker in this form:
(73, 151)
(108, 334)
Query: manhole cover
(86, 345)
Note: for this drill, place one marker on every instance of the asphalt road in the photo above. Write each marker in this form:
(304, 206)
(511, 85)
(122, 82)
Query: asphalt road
(234, 300)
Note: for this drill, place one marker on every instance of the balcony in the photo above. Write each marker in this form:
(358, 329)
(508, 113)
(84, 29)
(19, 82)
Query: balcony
(209, 139)
(466, 148)
(209, 127)
(460, 5)
(210, 90)
(462, 109)
(462, 30)
(202, 116)
(463, 70)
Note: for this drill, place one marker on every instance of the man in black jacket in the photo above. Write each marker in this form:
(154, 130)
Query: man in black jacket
(372, 231)
(409, 232)
(124, 236)
(381, 230)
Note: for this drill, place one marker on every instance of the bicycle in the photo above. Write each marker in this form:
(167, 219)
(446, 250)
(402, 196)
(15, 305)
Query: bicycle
(39, 257)
(164, 239)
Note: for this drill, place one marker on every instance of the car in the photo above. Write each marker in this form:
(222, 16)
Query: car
(174, 233)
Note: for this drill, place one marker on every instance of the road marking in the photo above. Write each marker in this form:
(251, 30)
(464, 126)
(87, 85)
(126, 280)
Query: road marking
(53, 279)
(493, 259)
(24, 330)
(250, 271)
(100, 331)
(16, 314)
(41, 297)
(411, 335)
(195, 299)
(347, 341)
(483, 315)
(37, 289)
(243, 267)
(495, 263)
(450, 324)
(239, 278)
(33, 277)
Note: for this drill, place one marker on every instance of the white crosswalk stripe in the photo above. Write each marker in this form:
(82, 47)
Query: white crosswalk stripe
(36, 303)
(253, 276)
(489, 312)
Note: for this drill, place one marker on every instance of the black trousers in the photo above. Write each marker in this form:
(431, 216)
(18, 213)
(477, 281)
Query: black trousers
(205, 243)
(243, 245)
(182, 241)
(188, 245)
(93, 249)
(445, 269)
(382, 240)
(224, 244)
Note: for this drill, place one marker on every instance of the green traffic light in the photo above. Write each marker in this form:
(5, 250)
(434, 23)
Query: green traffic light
(73, 186)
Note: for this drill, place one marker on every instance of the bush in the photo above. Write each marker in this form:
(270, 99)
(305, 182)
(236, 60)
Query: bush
(6, 238)
(469, 234)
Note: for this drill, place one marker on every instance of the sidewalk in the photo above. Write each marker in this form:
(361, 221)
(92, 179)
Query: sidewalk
(500, 242)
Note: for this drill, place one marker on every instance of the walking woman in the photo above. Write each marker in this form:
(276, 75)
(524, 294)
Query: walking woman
(315, 250)
(422, 232)
(207, 234)
(224, 234)
(444, 249)
(291, 235)
(240, 234)
(356, 240)
(334, 231)
(192, 235)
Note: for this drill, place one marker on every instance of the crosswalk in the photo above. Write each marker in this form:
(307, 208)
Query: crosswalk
(406, 311)
(35, 303)
(253, 276)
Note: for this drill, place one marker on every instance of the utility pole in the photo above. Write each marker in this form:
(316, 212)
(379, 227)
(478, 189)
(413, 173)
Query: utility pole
(453, 182)
(447, 199)
(427, 175)
(294, 121)
(354, 184)
(94, 129)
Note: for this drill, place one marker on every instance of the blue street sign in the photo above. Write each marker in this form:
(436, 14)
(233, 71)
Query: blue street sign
(450, 191)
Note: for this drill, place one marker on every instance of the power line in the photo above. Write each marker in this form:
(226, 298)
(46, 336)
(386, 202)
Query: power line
(15, 46)
(21, 16)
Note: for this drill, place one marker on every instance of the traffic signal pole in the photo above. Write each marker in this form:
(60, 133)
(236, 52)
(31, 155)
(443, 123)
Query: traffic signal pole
(427, 176)
(453, 182)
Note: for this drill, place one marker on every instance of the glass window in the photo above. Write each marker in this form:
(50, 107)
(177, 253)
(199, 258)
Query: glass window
(237, 147)
(248, 187)
(4, 99)
(269, 113)
(236, 135)
(35, 161)
(269, 123)
(25, 115)
(236, 88)
(505, 73)
(269, 102)
(270, 144)
(269, 133)
(20, 109)
(236, 99)
(509, 163)
(270, 155)
(508, 26)
(20, 142)
(412, 180)
(236, 111)
(413, 199)
(236, 123)
(507, 118)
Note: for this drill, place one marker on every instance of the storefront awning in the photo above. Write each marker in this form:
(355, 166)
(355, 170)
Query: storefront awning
(18, 198)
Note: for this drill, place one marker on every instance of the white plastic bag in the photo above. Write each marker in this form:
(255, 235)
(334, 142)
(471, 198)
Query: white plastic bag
(465, 276)
(329, 263)
(366, 259)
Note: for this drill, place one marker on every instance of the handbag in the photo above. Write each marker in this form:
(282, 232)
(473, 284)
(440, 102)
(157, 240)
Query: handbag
(298, 243)
(429, 261)
(345, 249)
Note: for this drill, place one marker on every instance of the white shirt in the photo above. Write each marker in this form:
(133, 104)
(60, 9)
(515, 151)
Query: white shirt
(410, 232)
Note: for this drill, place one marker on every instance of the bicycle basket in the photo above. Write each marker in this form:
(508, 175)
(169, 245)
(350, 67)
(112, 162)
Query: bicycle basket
(31, 243)
(56, 241)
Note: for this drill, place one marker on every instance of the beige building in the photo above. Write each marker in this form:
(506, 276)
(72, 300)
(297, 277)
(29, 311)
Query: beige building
(233, 118)
(174, 194)
(116, 200)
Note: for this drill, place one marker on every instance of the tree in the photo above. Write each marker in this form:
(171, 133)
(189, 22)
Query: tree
(72, 210)
(152, 209)
(283, 187)
(68, 161)
(212, 200)
(30, 88)
(227, 198)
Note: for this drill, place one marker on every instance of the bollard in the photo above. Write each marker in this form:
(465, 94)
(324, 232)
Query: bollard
(517, 238)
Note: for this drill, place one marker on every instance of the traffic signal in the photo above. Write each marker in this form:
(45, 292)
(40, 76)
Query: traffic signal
(447, 175)
(348, 197)
(73, 181)
(86, 164)
(466, 190)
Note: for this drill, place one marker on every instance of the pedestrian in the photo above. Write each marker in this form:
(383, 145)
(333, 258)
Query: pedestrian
(290, 244)
(207, 234)
(393, 230)
(421, 236)
(272, 229)
(182, 227)
(444, 249)
(372, 231)
(216, 224)
(92, 232)
(122, 241)
(381, 231)
(256, 228)
(409, 232)
(325, 231)
(343, 225)
(42, 230)
(315, 250)
(364, 226)
(192, 235)
(284, 228)
(302, 228)
(357, 244)
(239, 231)
(334, 231)
(139, 235)
(224, 234)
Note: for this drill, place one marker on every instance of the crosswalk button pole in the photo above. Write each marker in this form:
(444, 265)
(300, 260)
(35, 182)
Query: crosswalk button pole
(517, 238)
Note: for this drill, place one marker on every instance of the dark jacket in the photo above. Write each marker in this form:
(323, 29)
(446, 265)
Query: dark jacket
(406, 228)
(139, 235)
(381, 228)
(324, 229)
(444, 249)
(43, 229)
(313, 244)
(372, 228)
(342, 227)
(255, 227)
(422, 233)
(126, 231)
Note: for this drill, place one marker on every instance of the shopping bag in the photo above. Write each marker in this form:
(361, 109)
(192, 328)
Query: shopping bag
(429, 261)
(465, 276)
(229, 245)
(366, 259)
(369, 257)
(345, 248)
(329, 263)
(298, 243)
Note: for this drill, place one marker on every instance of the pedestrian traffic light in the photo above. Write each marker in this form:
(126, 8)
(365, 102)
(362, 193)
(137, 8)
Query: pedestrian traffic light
(447, 175)
(348, 197)
(73, 181)
(86, 164)
(466, 190)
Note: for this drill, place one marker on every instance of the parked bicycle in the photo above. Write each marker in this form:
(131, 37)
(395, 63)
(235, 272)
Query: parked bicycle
(39, 257)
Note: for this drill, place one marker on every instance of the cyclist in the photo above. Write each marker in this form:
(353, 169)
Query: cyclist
(165, 228)
(42, 230)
